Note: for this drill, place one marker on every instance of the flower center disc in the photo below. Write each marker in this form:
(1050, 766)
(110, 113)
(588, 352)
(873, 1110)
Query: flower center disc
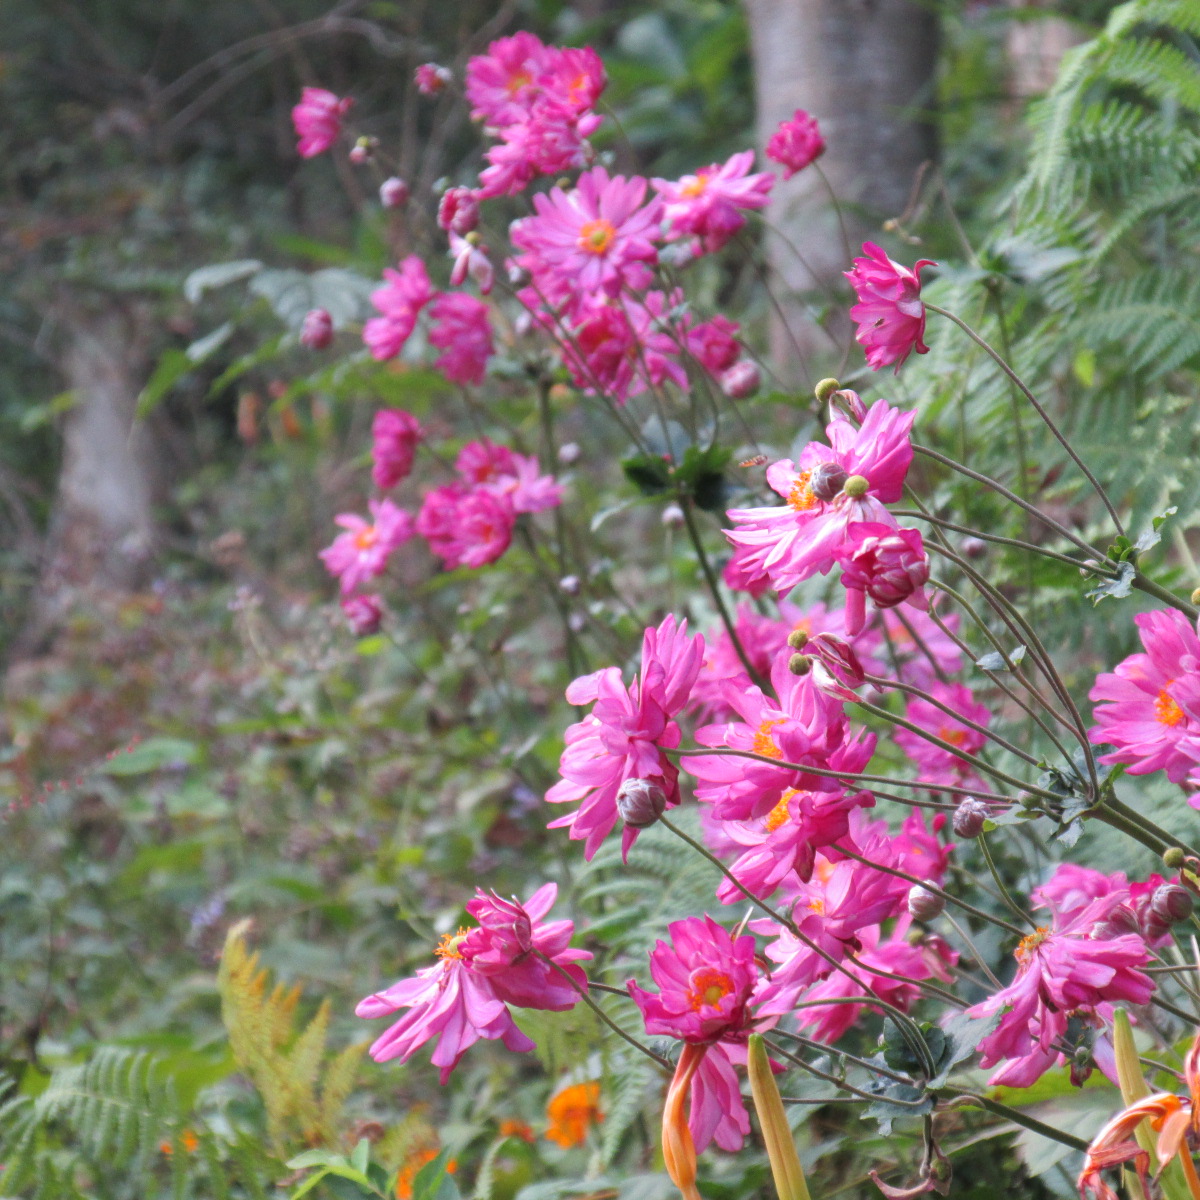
(1166, 711)
(708, 987)
(1031, 942)
(801, 497)
(596, 236)
(764, 743)
(779, 815)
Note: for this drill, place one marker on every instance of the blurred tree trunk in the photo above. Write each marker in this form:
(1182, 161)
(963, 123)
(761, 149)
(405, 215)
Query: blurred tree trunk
(101, 533)
(1035, 49)
(866, 70)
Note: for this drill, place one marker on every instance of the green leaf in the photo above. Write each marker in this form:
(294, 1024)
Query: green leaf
(1152, 536)
(171, 368)
(153, 755)
(649, 473)
(995, 661)
(1116, 589)
(218, 275)
(433, 1183)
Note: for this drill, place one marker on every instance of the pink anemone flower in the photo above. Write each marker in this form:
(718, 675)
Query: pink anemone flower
(796, 143)
(395, 436)
(462, 330)
(889, 313)
(318, 120)
(361, 553)
(400, 300)
(624, 735)
(709, 204)
(465, 527)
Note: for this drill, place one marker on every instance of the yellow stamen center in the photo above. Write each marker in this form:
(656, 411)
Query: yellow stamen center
(801, 497)
(779, 815)
(694, 186)
(1031, 942)
(596, 236)
(955, 737)
(516, 81)
(764, 743)
(1166, 711)
(708, 987)
(448, 947)
(364, 539)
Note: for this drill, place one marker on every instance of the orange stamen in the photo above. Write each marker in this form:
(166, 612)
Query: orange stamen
(779, 815)
(596, 236)
(1166, 711)
(801, 497)
(764, 743)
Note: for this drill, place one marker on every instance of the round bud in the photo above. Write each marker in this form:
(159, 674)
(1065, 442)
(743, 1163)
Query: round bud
(317, 330)
(672, 516)
(393, 192)
(973, 547)
(568, 453)
(825, 388)
(569, 584)
(1173, 858)
(640, 803)
(799, 664)
(577, 622)
(851, 403)
(797, 639)
(1196, 596)
(741, 380)
(856, 486)
(827, 479)
(969, 817)
(924, 904)
(1171, 903)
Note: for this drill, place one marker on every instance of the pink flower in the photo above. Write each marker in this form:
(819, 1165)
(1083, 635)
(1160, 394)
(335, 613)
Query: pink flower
(526, 489)
(1140, 713)
(318, 120)
(317, 330)
(521, 955)
(802, 726)
(485, 462)
(742, 380)
(830, 488)
(458, 211)
(393, 192)
(706, 980)
(462, 330)
(461, 999)
(395, 436)
(623, 735)
(362, 551)
(465, 527)
(889, 312)
(885, 563)
(888, 646)
(1062, 970)
(596, 238)
(936, 764)
(503, 83)
(400, 300)
(714, 344)
(431, 79)
(708, 205)
(363, 613)
(796, 143)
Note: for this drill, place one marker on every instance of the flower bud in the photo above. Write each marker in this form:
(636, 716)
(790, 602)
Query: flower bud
(856, 486)
(973, 547)
(393, 192)
(889, 565)
(672, 516)
(363, 614)
(568, 453)
(1196, 596)
(850, 403)
(797, 639)
(576, 622)
(431, 79)
(825, 388)
(569, 584)
(799, 664)
(1171, 903)
(969, 817)
(837, 656)
(640, 803)
(363, 150)
(317, 330)
(1173, 858)
(924, 904)
(827, 480)
(741, 380)
(458, 211)
(1082, 1065)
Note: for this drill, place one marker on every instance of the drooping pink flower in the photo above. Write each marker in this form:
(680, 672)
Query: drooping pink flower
(528, 961)
(462, 330)
(1063, 970)
(361, 553)
(708, 205)
(1139, 712)
(458, 211)
(465, 527)
(431, 79)
(596, 238)
(889, 313)
(363, 613)
(318, 120)
(461, 999)
(471, 258)
(827, 490)
(395, 435)
(796, 143)
(938, 765)
(624, 735)
(400, 300)
(742, 380)
(317, 330)
(887, 564)
(803, 726)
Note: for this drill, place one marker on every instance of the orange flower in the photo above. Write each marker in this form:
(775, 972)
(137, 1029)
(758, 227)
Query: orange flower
(511, 1128)
(187, 1139)
(416, 1159)
(572, 1112)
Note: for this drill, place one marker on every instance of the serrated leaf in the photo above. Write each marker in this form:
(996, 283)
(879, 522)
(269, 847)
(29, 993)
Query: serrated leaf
(1116, 589)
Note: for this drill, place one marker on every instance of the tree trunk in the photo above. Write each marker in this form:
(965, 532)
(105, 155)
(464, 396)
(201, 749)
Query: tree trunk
(1036, 48)
(866, 70)
(101, 534)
